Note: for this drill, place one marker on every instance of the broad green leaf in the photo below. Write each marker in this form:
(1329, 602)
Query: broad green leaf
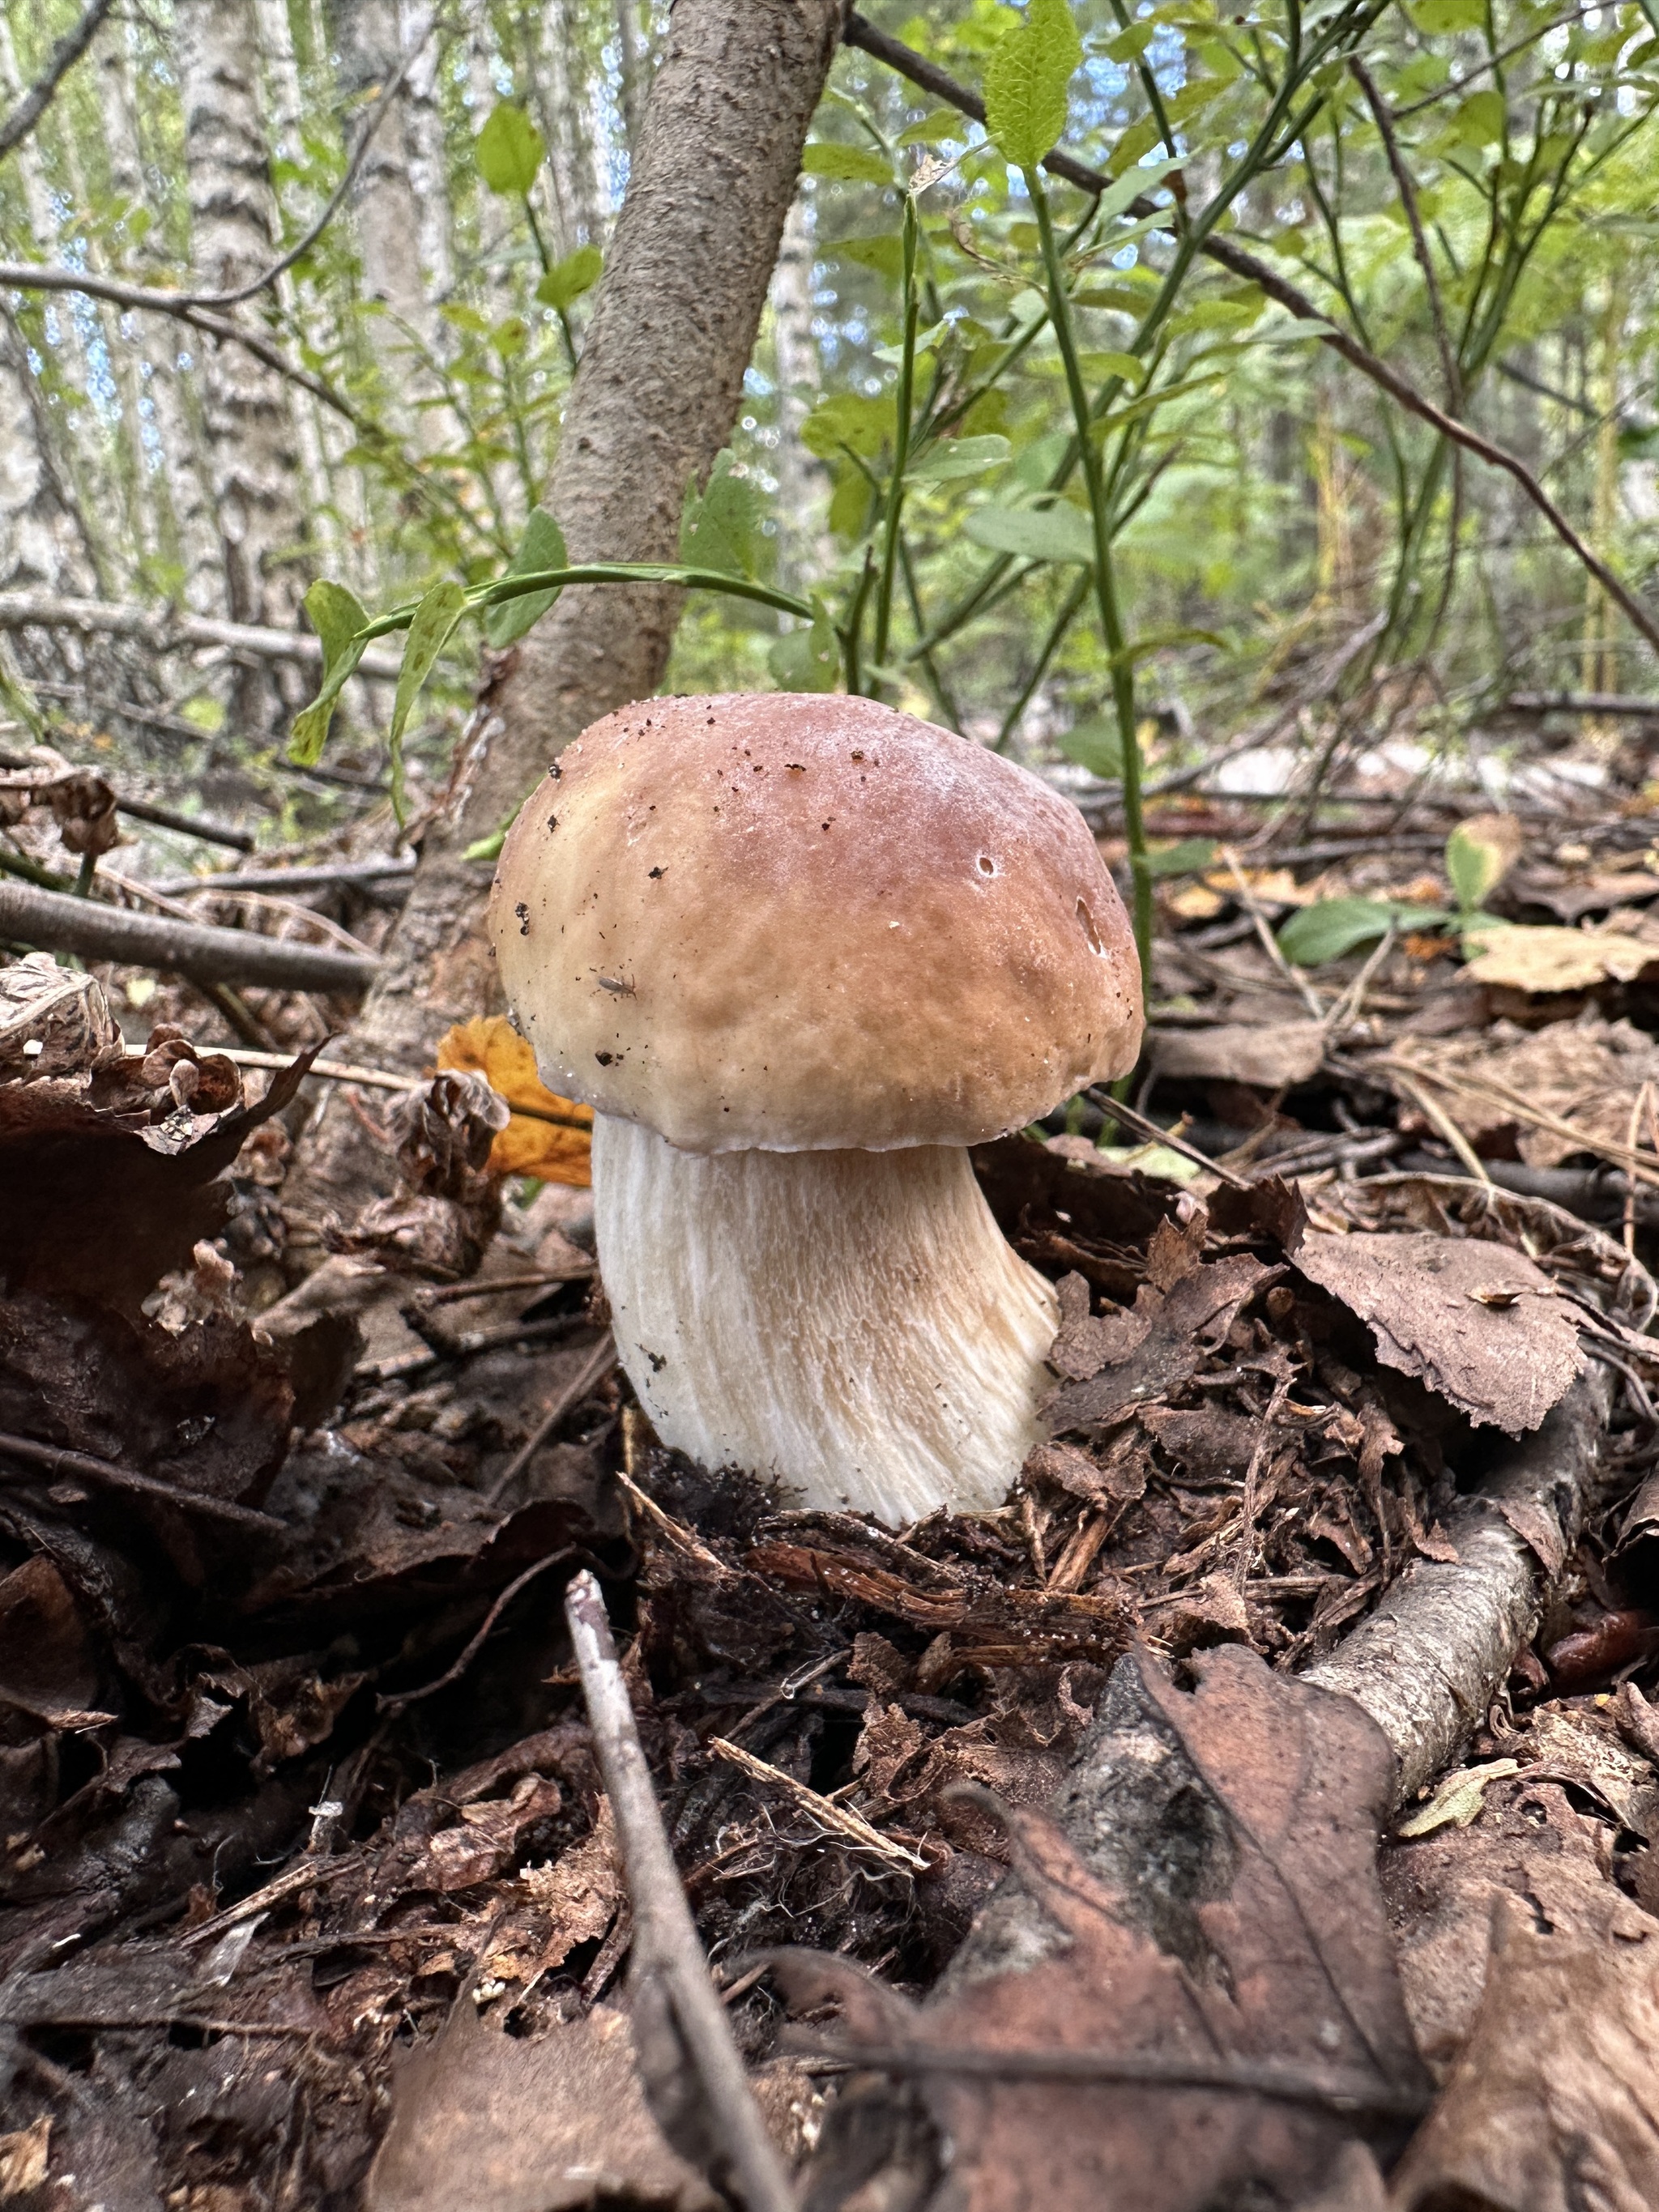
(1094, 745)
(1145, 176)
(1148, 403)
(851, 504)
(846, 165)
(567, 280)
(1026, 80)
(1120, 299)
(337, 619)
(1477, 121)
(434, 618)
(808, 658)
(719, 525)
(1103, 363)
(960, 457)
(883, 253)
(509, 150)
(1330, 927)
(1193, 97)
(1479, 854)
(850, 419)
(1186, 859)
(935, 129)
(1439, 18)
(1129, 45)
(541, 547)
(1062, 532)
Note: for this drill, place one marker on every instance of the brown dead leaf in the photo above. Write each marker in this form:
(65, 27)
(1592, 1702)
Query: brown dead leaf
(554, 1150)
(1160, 1343)
(1583, 1746)
(1437, 1309)
(487, 2122)
(1538, 960)
(1282, 1957)
(1553, 2104)
(1265, 1056)
(1586, 1073)
(582, 1891)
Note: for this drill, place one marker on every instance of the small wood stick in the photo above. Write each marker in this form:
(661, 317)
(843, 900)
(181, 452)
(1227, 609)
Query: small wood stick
(665, 1946)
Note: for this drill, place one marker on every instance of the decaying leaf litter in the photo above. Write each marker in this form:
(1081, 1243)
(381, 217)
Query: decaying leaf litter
(306, 1848)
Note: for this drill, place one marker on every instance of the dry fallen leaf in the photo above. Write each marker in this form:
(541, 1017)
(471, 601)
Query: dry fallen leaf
(1271, 1794)
(1553, 2104)
(548, 1136)
(1440, 1308)
(1267, 1055)
(1460, 1800)
(1541, 959)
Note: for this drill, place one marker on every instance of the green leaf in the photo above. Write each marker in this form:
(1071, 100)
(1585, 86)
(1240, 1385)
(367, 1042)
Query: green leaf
(1330, 927)
(1026, 80)
(941, 125)
(1188, 858)
(960, 457)
(845, 165)
(1477, 121)
(808, 658)
(1129, 45)
(1479, 856)
(719, 527)
(850, 419)
(509, 150)
(567, 280)
(1094, 745)
(541, 547)
(1062, 532)
(883, 253)
(434, 618)
(337, 619)
(1105, 362)
(1439, 18)
(1123, 193)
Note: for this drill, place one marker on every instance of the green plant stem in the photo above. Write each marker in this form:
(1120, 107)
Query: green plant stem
(903, 402)
(1111, 620)
(604, 572)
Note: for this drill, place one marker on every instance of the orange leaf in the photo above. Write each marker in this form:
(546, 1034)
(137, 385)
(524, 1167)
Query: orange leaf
(548, 1136)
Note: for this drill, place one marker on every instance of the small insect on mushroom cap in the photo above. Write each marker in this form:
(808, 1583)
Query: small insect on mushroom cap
(838, 926)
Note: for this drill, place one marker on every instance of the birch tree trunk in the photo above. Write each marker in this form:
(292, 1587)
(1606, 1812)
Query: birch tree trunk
(655, 397)
(564, 96)
(429, 162)
(179, 489)
(800, 373)
(386, 212)
(249, 430)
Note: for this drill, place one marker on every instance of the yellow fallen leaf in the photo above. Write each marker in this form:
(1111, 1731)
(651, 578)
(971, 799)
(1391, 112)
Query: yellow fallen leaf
(548, 1137)
(1460, 1800)
(1193, 902)
(1527, 959)
(1271, 886)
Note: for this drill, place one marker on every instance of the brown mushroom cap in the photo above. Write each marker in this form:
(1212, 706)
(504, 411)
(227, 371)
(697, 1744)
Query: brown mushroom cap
(801, 923)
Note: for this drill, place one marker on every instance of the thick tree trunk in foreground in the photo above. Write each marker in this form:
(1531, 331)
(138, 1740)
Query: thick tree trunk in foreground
(655, 398)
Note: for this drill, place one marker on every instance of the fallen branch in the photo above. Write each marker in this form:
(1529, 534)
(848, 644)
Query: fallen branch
(80, 1467)
(323, 877)
(189, 826)
(53, 921)
(1255, 271)
(1427, 1664)
(165, 630)
(668, 1969)
(1580, 702)
(588, 1377)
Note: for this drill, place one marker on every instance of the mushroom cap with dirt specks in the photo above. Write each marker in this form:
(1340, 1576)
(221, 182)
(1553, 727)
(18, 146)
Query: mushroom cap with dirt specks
(799, 923)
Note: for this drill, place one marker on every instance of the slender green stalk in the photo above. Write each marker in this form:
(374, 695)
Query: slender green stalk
(1111, 620)
(904, 400)
(606, 572)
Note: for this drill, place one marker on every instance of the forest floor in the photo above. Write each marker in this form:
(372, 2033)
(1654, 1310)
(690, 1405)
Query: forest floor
(311, 1893)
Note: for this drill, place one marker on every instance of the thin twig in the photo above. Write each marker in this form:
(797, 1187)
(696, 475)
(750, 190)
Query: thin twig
(393, 1705)
(838, 1819)
(1270, 944)
(81, 1467)
(307, 1874)
(1584, 1141)
(1404, 187)
(592, 1371)
(1116, 1110)
(1444, 1124)
(666, 1954)
(1244, 2077)
(1642, 1103)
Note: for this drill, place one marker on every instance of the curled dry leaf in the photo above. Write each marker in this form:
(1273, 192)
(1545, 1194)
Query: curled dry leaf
(1266, 1056)
(1479, 1323)
(547, 1136)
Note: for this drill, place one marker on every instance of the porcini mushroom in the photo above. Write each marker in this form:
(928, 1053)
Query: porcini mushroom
(798, 953)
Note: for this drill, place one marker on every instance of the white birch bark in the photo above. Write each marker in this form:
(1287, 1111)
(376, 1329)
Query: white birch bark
(427, 151)
(249, 430)
(799, 370)
(562, 96)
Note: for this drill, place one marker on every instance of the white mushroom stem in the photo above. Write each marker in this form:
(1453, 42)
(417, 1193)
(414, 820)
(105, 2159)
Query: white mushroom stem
(848, 1325)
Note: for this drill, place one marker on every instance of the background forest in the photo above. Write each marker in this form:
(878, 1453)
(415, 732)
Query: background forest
(408, 209)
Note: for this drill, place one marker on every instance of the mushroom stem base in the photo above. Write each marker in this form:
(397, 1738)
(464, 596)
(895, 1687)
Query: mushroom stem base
(849, 1326)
